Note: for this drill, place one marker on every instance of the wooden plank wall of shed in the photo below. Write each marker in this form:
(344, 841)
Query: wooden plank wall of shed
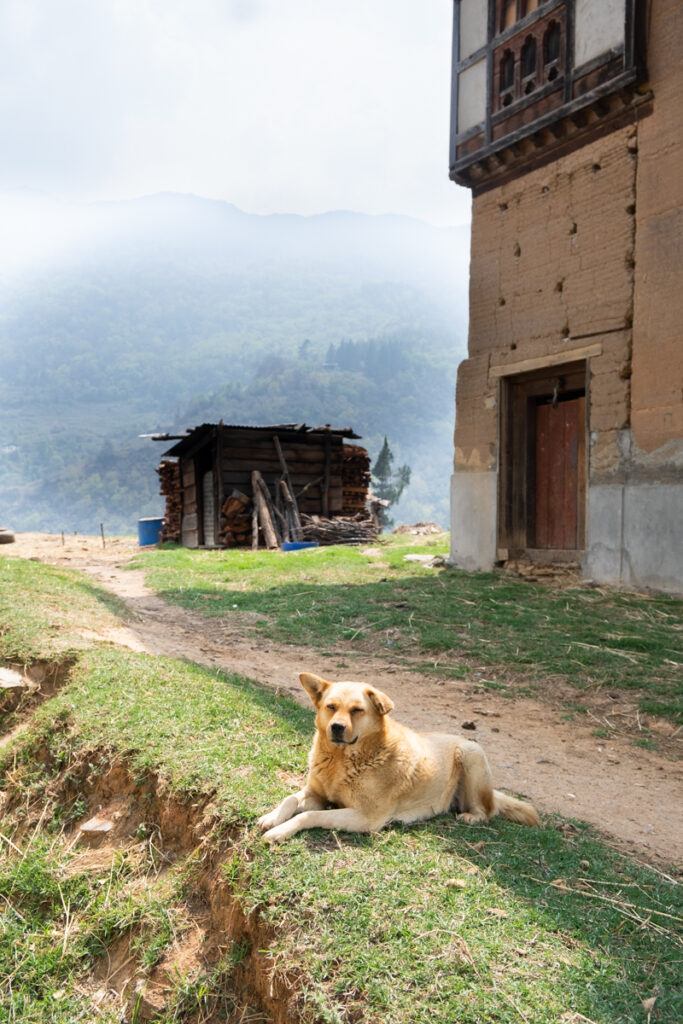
(243, 452)
(190, 523)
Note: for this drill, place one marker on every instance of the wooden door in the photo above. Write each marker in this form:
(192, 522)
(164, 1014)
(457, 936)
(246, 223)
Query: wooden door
(208, 510)
(559, 474)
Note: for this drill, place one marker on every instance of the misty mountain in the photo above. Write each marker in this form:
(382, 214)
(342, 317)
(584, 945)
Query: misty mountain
(124, 318)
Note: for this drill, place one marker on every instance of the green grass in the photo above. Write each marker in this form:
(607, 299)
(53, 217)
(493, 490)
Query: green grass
(372, 922)
(453, 620)
(43, 610)
(58, 922)
(434, 923)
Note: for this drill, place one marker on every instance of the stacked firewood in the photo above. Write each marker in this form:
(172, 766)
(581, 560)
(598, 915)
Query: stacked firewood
(358, 529)
(235, 522)
(170, 487)
(355, 478)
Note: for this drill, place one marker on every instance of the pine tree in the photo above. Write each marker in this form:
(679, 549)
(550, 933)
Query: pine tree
(388, 484)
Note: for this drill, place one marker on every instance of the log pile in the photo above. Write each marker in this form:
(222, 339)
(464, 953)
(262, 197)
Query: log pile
(235, 521)
(358, 529)
(171, 489)
(355, 479)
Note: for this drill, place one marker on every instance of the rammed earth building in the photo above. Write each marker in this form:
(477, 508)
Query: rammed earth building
(567, 124)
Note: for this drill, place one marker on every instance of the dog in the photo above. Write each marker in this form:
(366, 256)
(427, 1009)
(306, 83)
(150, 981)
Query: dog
(366, 770)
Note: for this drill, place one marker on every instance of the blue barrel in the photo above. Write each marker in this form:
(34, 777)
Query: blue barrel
(149, 530)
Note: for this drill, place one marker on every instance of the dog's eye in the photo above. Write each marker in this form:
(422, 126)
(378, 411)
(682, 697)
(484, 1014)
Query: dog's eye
(331, 707)
(357, 711)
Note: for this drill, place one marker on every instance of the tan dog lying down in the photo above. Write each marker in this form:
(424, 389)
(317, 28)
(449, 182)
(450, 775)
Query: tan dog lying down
(365, 770)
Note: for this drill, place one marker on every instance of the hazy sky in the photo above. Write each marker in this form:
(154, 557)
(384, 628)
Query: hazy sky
(275, 105)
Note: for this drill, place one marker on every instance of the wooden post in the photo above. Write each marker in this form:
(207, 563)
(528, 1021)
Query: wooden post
(328, 470)
(270, 506)
(283, 519)
(293, 512)
(288, 491)
(219, 479)
(102, 534)
(254, 527)
(264, 515)
(283, 462)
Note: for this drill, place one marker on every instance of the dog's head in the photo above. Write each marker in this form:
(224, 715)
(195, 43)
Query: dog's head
(346, 712)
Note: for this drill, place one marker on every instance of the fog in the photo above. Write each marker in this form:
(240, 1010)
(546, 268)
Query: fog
(300, 106)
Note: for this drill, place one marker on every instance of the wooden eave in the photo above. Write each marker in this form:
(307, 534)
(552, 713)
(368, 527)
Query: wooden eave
(561, 130)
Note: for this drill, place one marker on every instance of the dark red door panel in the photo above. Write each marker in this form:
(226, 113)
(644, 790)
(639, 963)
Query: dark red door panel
(559, 473)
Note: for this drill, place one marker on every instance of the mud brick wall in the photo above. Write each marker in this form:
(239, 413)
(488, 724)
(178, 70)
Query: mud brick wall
(552, 272)
(657, 383)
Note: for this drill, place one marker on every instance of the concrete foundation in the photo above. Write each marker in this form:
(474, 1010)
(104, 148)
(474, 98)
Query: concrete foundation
(473, 520)
(634, 535)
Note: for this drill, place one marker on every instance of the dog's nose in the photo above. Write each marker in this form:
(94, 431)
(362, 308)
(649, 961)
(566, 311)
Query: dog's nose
(337, 730)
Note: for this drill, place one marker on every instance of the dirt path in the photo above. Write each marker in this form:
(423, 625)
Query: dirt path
(630, 793)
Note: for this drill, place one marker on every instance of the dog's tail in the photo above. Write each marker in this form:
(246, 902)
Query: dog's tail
(516, 810)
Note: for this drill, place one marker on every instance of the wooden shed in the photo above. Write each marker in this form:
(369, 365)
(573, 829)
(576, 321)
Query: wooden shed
(208, 472)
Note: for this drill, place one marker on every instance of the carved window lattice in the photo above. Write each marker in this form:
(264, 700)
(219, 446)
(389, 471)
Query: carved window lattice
(528, 66)
(528, 62)
(507, 78)
(552, 50)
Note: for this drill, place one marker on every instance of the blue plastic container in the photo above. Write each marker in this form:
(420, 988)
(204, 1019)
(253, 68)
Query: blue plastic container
(149, 531)
(299, 545)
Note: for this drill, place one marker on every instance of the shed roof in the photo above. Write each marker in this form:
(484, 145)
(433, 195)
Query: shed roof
(194, 435)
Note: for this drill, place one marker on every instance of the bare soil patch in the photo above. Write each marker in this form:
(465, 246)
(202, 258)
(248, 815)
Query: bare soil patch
(629, 793)
(23, 688)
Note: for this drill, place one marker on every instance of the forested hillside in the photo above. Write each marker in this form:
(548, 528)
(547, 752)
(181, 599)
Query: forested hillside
(124, 318)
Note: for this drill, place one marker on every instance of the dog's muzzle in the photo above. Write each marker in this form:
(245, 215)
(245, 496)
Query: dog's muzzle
(337, 735)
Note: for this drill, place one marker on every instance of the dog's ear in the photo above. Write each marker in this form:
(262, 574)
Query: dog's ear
(314, 686)
(380, 702)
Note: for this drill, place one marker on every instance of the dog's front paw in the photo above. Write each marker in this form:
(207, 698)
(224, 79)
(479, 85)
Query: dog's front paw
(472, 819)
(279, 833)
(267, 821)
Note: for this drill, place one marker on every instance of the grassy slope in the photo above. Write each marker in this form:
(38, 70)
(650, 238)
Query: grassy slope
(590, 637)
(43, 610)
(435, 923)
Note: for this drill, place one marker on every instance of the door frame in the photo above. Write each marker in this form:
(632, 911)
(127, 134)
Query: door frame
(205, 462)
(516, 447)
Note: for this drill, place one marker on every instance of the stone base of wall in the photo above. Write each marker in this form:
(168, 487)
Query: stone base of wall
(474, 502)
(635, 535)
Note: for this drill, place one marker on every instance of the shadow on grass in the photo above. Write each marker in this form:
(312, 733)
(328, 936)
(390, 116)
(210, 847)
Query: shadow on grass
(111, 602)
(563, 881)
(589, 637)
